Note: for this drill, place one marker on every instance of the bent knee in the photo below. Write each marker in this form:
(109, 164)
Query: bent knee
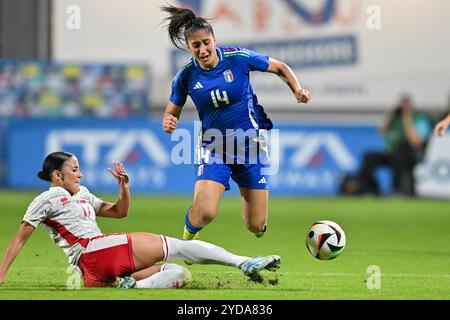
(204, 214)
(181, 274)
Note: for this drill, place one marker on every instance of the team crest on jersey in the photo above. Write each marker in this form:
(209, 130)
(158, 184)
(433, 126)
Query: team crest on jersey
(228, 75)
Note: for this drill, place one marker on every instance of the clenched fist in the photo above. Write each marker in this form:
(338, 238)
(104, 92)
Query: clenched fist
(302, 96)
(170, 123)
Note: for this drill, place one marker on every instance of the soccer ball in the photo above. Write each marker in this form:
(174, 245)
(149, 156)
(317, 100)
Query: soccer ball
(325, 240)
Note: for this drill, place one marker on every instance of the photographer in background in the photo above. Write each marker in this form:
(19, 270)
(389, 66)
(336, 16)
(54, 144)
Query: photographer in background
(405, 133)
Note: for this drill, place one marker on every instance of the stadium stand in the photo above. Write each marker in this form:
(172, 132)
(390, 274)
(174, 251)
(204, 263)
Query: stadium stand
(50, 89)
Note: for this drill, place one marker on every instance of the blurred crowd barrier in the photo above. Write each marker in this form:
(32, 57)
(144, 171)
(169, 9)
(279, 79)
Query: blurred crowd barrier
(51, 89)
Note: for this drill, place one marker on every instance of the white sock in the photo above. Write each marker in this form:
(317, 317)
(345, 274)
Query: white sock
(170, 276)
(198, 251)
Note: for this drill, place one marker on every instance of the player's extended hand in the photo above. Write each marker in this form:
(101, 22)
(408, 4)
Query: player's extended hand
(120, 174)
(441, 126)
(2, 279)
(302, 96)
(170, 123)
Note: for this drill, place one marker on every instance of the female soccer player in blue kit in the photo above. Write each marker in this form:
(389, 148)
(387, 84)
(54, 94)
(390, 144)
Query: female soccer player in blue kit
(217, 80)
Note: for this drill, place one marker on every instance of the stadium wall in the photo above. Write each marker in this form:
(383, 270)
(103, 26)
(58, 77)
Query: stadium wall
(356, 55)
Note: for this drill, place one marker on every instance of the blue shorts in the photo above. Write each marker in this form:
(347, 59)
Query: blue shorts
(248, 164)
(245, 175)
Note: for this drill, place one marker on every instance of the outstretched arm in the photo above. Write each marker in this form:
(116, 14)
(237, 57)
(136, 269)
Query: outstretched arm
(287, 75)
(170, 117)
(120, 208)
(442, 126)
(19, 240)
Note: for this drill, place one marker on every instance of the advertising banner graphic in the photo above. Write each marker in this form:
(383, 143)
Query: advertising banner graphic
(433, 174)
(306, 160)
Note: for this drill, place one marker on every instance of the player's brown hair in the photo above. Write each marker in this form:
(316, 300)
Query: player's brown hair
(183, 23)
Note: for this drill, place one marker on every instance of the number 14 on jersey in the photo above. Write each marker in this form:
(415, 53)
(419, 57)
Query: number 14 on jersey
(216, 97)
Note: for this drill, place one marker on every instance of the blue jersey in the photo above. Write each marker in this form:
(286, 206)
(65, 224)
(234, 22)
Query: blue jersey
(223, 96)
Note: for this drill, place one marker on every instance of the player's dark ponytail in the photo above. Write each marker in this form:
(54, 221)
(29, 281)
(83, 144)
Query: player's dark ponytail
(183, 23)
(54, 161)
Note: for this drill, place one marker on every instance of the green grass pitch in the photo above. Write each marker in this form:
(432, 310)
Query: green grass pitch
(408, 239)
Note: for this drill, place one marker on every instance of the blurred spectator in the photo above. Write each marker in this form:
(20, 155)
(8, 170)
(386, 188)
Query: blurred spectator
(71, 107)
(405, 133)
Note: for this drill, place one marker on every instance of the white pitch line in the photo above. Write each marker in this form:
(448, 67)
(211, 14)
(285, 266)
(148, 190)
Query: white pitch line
(325, 274)
(417, 275)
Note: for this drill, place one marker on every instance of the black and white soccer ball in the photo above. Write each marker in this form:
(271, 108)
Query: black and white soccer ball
(325, 240)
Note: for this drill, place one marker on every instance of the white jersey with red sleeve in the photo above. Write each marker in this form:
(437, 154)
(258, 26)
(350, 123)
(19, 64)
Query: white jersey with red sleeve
(69, 220)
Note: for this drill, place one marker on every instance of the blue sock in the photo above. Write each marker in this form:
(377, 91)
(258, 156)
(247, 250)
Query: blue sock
(189, 226)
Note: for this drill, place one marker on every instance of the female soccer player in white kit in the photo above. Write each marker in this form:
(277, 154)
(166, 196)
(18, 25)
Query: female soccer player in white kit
(68, 212)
